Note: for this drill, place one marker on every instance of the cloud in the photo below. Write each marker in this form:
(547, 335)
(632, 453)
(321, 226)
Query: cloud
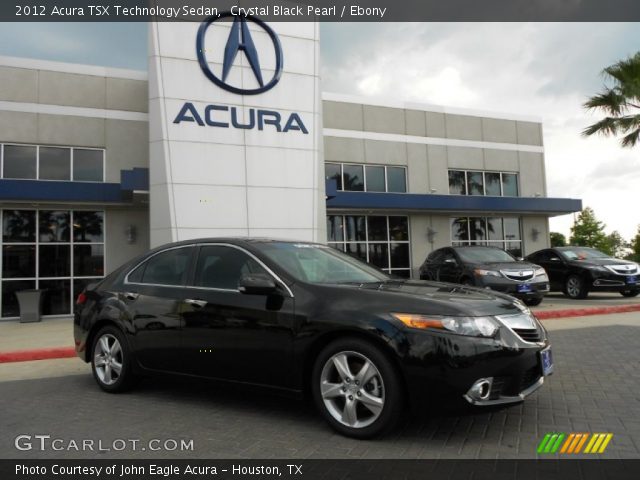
(541, 69)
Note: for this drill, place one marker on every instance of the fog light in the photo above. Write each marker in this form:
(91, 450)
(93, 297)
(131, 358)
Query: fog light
(481, 389)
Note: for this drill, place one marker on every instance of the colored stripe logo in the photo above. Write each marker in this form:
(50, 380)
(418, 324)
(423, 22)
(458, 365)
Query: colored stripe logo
(572, 443)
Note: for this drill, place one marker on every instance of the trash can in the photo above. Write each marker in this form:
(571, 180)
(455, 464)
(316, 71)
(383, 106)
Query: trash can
(30, 302)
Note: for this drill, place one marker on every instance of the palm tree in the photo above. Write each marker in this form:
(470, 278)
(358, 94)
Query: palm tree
(621, 103)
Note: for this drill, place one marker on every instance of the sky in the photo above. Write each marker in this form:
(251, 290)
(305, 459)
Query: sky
(546, 70)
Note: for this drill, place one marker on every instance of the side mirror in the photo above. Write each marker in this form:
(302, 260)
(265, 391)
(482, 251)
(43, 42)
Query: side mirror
(257, 284)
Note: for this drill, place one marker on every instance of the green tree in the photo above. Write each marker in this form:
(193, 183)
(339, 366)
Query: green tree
(557, 239)
(588, 231)
(635, 246)
(620, 102)
(616, 245)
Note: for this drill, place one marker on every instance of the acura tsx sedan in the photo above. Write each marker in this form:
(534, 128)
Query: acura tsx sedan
(306, 318)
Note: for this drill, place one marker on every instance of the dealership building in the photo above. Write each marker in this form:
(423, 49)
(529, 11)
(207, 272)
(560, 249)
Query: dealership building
(230, 134)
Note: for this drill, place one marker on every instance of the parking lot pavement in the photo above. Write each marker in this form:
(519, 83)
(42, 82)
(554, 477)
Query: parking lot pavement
(594, 389)
(557, 301)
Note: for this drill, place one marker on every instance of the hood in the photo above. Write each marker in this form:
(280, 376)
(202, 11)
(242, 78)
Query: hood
(505, 266)
(435, 298)
(600, 262)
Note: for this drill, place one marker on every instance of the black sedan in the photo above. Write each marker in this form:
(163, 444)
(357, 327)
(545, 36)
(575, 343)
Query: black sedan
(303, 317)
(576, 271)
(487, 267)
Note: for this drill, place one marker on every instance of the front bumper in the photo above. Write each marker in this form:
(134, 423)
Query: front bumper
(610, 282)
(441, 366)
(514, 288)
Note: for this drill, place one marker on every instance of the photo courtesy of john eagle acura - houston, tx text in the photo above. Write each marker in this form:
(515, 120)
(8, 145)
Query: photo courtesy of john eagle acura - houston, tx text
(304, 317)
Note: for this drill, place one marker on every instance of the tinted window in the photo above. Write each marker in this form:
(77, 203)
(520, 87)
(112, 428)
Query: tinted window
(54, 226)
(19, 162)
(492, 184)
(87, 226)
(475, 183)
(55, 163)
(222, 267)
(167, 268)
(457, 182)
(353, 178)
(481, 255)
(332, 171)
(356, 228)
(509, 185)
(375, 179)
(18, 226)
(396, 179)
(87, 165)
(335, 228)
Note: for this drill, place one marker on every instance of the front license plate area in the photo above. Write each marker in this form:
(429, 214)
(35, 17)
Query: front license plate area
(632, 280)
(546, 360)
(524, 288)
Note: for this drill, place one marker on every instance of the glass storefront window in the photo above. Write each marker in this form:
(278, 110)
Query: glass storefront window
(333, 171)
(380, 240)
(19, 161)
(509, 185)
(475, 183)
(367, 178)
(501, 232)
(493, 184)
(56, 251)
(457, 182)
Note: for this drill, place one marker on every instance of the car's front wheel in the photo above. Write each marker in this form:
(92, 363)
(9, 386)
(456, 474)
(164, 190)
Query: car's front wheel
(111, 360)
(533, 301)
(575, 287)
(630, 293)
(357, 388)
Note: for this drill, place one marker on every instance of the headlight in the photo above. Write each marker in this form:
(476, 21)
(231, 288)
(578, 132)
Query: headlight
(597, 268)
(540, 271)
(472, 326)
(484, 273)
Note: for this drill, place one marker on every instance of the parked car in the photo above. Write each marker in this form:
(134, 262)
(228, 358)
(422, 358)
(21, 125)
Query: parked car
(576, 271)
(487, 267)
(305, 317)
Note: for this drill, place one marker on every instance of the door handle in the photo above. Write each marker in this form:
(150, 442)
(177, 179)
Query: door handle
(196, 303)
(131, 295)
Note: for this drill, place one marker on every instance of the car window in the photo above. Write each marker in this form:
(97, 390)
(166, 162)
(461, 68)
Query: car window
(484, 255)
(165, 268)
(582, 253)
(222, 267)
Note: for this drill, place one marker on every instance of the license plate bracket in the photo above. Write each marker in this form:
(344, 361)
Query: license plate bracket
(546, 361)
(632, 280)
(524, 288)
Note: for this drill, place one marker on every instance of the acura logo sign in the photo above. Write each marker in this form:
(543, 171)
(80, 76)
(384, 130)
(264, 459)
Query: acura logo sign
(240, 39)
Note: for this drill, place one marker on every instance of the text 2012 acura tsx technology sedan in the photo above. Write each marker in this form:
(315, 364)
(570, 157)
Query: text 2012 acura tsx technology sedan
(304, 317)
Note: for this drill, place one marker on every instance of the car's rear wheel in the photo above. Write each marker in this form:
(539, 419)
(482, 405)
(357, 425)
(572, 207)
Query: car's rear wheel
(533, 301)
(575, 287)
(630, 293)
(111, 360)
(357, 388)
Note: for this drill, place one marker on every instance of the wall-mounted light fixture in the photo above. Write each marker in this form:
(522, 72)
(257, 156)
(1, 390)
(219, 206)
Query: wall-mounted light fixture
(431, 233)
(131, 232)
(535, 233)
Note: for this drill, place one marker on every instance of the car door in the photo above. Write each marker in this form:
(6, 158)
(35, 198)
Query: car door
(153, 294)
(450, 267)
(231, 335)
(555, 267)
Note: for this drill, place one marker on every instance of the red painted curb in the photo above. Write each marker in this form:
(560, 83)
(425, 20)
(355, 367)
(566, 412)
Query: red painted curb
(583, 312)
(39, 354)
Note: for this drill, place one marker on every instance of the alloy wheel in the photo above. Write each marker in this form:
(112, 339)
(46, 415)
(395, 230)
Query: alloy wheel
(352, 389)
(573, 287)
(108, 359)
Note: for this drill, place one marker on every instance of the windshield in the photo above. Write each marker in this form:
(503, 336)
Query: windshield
(484, 255)
(582, 253)
(320, 264)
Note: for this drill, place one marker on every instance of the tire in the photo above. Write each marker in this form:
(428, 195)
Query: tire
(630, 293)
(533, 301)
(574, 287)
(358, 410)
(110, 350)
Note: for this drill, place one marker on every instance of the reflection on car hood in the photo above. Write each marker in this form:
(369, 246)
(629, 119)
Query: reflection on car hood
(438, 298)
(600, 262)
(506, 266)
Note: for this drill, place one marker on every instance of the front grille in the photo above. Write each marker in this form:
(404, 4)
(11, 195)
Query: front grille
(518, 275)
(528, 334)
(513, 385)
(623, 271)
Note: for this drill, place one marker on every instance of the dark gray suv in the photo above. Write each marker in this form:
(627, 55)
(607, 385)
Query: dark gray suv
(487, 267)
